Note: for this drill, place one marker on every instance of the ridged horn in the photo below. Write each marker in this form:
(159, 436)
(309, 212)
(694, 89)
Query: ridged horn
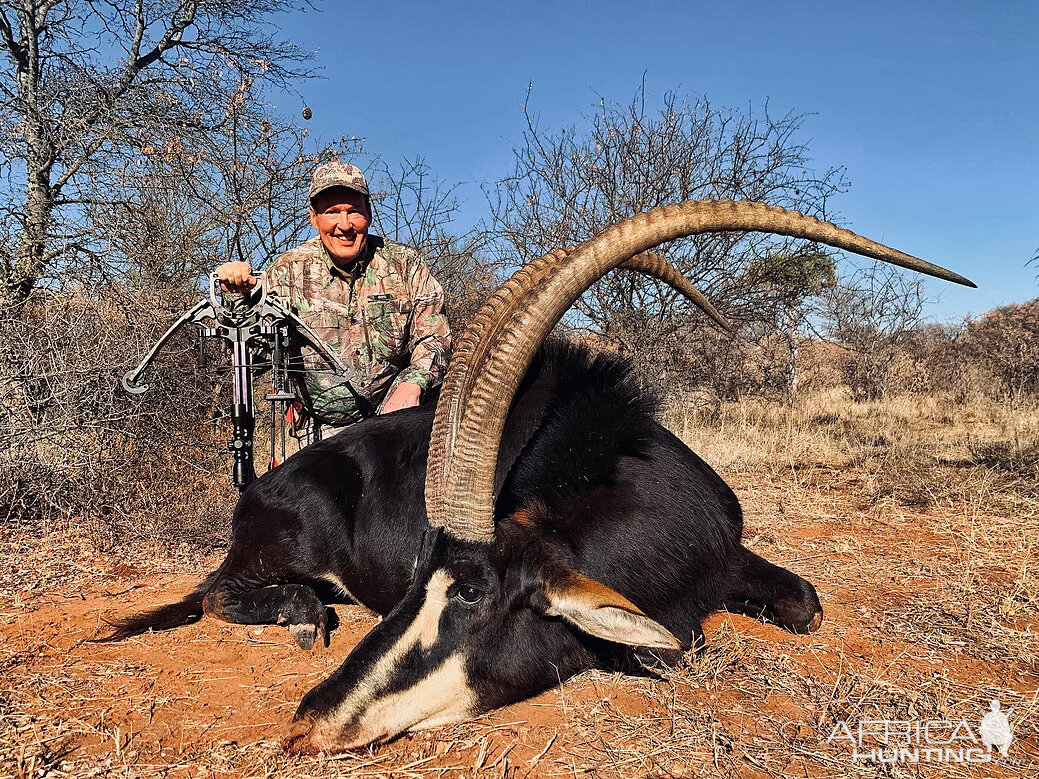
(653, 264)
(492, 356)
(526, 423)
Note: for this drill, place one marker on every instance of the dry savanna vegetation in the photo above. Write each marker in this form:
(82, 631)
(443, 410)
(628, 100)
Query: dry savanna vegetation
(915, 515)
(893, 463)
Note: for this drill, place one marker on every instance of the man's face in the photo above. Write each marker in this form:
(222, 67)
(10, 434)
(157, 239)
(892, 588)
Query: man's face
(341, 217)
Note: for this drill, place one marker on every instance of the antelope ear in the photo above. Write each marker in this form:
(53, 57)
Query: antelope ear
(604, 613)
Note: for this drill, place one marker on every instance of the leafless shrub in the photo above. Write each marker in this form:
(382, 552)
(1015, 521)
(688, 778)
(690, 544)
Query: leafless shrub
(1005, 342)
(926, 361)
(871, 315)
(76, 448)
(568, 184)
(819, 366)
(756, 361)
(1018, 457)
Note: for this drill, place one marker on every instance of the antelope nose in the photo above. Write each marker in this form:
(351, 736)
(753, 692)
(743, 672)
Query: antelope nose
(302, 738)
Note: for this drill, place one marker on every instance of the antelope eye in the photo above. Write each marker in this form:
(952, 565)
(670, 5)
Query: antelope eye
(468, 594)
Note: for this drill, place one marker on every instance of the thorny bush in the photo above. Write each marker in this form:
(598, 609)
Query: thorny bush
(76, 447)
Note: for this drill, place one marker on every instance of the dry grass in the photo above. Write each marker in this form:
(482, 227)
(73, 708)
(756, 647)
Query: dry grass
(916, 518)
(902, 441)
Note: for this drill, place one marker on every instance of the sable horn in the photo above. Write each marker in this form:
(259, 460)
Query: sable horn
(653, 264)
(492, 356)
(648, 264)
(527, 423)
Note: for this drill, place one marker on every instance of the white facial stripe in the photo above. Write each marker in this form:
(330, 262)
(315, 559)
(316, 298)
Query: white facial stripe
(442, 697)
(427, 623)
(423, 631)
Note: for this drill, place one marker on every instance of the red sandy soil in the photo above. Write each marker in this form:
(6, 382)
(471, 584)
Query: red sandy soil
(213, 699)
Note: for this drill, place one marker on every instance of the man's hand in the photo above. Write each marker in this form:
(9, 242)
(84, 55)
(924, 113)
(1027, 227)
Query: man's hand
(236, 277)
(405, 396)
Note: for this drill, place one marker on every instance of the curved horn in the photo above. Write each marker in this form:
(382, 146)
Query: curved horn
(493, 354)
(648, 264)
(653, 264)
(526, 423)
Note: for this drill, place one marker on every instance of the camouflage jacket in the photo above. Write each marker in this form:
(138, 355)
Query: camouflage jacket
(385, 320)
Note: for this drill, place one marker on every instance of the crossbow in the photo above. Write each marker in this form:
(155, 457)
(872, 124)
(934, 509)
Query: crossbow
(256, 322)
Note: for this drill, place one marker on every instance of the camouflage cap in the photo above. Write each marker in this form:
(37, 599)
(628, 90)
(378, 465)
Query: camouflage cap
(337, 174)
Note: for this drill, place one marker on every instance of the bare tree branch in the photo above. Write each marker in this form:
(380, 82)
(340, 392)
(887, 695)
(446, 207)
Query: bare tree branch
(570, 183)
(71, 115)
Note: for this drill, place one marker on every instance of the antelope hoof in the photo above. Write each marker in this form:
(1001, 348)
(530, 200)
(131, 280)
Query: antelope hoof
(306, 634)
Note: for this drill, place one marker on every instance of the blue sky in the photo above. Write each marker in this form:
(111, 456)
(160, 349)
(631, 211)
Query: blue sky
(931, 107)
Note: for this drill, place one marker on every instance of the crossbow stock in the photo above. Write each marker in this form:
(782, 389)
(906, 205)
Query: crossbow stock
(257, 321)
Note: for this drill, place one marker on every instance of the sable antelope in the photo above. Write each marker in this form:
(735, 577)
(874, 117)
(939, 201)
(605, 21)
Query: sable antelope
(561, 522)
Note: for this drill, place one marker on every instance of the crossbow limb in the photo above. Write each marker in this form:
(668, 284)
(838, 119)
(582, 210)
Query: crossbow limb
(256, 319)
